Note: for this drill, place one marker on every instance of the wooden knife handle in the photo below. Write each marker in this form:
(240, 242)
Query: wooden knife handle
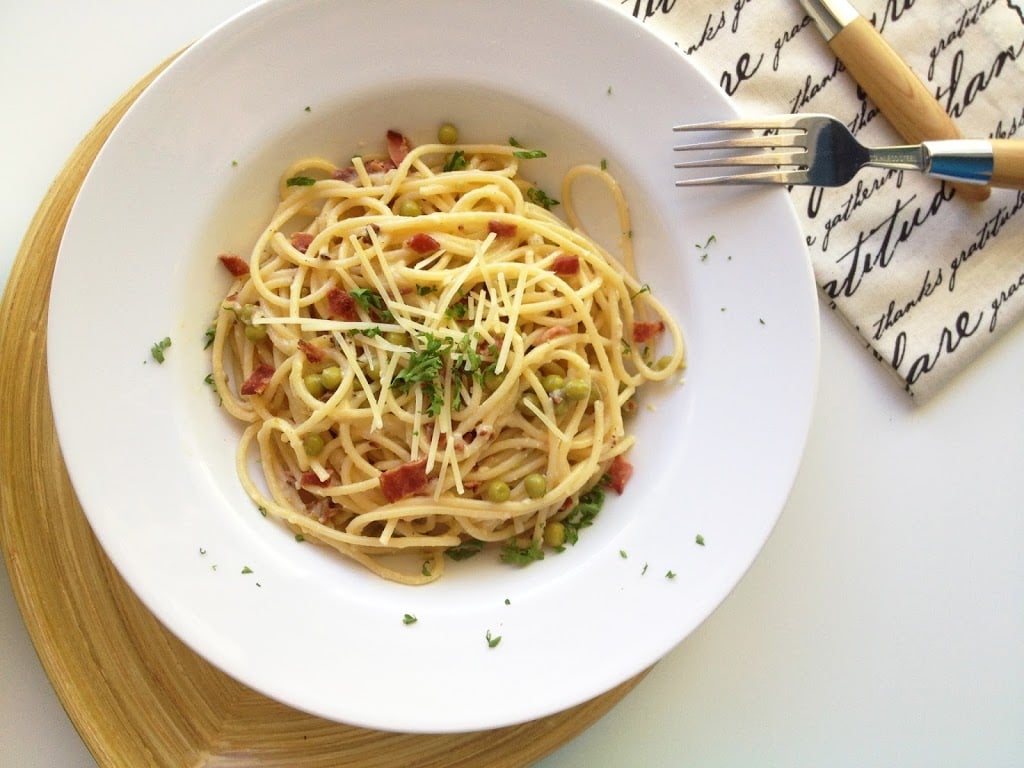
(1008, 163)
(894, 88)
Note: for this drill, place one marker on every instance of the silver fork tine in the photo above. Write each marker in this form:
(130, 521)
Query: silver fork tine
(772, 141)
(762, 158)
(771, 122)
(798, 176)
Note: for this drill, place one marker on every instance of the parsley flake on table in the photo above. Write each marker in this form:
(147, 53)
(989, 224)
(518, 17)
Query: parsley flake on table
(409, 619)
(699, 540)
(492, 640)
(246, 569)
(670, 574)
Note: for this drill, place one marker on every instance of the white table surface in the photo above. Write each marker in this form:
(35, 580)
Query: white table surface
(883, 624)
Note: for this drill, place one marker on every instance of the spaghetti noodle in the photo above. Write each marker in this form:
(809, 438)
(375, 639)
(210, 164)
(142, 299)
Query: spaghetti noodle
(427, 359)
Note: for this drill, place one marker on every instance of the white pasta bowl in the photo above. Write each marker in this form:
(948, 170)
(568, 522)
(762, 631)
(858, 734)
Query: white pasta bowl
(192, 170)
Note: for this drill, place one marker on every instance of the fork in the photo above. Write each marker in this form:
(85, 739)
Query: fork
(821, 151)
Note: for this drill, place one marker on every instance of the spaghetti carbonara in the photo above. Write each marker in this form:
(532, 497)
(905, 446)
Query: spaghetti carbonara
(427, 359)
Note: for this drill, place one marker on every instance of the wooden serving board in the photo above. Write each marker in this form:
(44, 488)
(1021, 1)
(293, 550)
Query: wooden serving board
(137, 695)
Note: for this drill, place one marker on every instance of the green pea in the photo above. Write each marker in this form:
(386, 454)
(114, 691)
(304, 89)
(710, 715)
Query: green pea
(312, 444)
(536, 485)
(314, 383)
(448, 134)
(577, 389)
(409, 208)
(244, 312)
(554, 534)
(493, 380)
(255, 333)
(330, 377)
(552, 382)
(497, 491)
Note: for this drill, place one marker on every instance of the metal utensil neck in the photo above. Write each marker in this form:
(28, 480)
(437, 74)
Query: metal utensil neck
(831, 16)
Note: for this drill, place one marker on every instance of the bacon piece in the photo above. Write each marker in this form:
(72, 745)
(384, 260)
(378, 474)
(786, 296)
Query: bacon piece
(342, 304)
(404, 480)
(301, 241)
(311, 478)
(348, 173)
(234, 264)
(619, 473)
(553, 333)
(312, 352)
(502, 228)
(258, 380)
(421, 242)
(644, 332)
(398, 147)
(379, 166)
(565, 264)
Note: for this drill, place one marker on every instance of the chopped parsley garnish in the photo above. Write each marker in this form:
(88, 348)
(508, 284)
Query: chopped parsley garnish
(456, 162)
(699, 540)
(507, 601)
(158, 349)
(425, 570)
(457, 311)
(670, 574)
(246, 569)
(210, 335)
(425, 365)
(372, 303)
(492, 640)
(512, 553)
(526, 154)
(424, 368)
(409, 619)
(299, 537)
(300, 181)
(309, 109)
(643, 570)
(645, 288)
(465, 550)
(539, 197)
(583, 514)
(423, 290)
(623, 554)
(604, 164)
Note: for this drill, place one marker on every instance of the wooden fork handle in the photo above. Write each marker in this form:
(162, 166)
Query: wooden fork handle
(897, 92)
(1007, 163)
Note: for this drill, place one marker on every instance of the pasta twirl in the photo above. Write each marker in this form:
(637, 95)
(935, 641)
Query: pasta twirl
(425, 356)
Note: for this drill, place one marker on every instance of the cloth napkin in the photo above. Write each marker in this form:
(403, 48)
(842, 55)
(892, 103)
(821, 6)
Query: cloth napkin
(929, 280)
